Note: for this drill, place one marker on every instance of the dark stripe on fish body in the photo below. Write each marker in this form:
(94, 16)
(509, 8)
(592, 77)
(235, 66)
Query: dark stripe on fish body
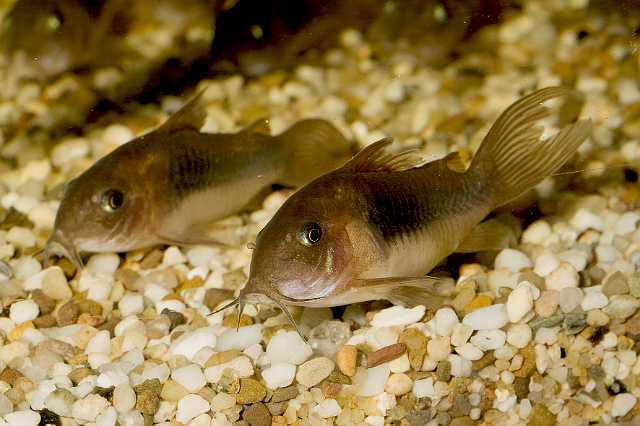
(189, 170)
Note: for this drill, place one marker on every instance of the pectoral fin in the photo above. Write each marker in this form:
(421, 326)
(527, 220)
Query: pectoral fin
(488, 235)
(409, 291)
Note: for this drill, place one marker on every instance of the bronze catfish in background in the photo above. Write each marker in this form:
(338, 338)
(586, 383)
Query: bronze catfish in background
(167, 185)
(373, 228)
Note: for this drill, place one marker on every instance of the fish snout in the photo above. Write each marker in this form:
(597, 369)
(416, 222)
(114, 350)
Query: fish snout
(59, 242)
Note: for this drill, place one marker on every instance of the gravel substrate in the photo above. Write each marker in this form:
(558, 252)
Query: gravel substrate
(543, 333)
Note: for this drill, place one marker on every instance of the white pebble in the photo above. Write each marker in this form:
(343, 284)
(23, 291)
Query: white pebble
(487, 318)
(99, 343)
(461, 334)
(327, 408)
(191, 342)
(21, 237)
(89, 408)
(439, 348)
(279, 375)
(584, 219)
(397, 316)
(546, 263)
(460, 367)
(519, 335)
(469, 351)
(124, 398)
(241, 339)
(519, 303)
(537, 232)
(626, 224)
(487, 340)
(371, 381)
(23, 418)
(563, 276)
(423, 388)
(190, 407)
(131, 304)
(445, 320)
(287, 346)
(513, 260)
(103, 263)
(594, 300)
(24, 310)
(622, 404)
(173, 256)
(190, 376)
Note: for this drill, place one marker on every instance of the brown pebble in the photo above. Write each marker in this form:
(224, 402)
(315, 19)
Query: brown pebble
(386, 354)
(64, 349)
(68, 313)
(251, 391)
(148, 396)
(91, 307)
(10, 375)
(130, 279)
(231, 321)
(462, 421)
(45, 303)
(257, 415)
(521, 387)
(277, 408)
(487, 359)
(152, 259)
(541, 416)
(346, 360)
(278, 421)
(632, 326)
(176, 318)
(234, 279)
(45, 321)
(16, 396)
(67, 267)
(284, 394)
(443, 371)
(330, 390)
(214, 296)
(529, 363)
(416, 343)
(78, 374)
(91, 320)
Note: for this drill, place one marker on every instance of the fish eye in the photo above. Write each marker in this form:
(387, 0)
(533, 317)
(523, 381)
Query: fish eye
(54, 20)
(112, 200)
(310, 234)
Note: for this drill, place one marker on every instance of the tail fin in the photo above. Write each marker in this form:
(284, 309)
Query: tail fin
(513, 158)
(316, 147)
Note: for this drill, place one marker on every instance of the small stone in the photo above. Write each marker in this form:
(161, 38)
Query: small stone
(469, 351)
(622, 306)
(124, 398)
(23, 418)
(519, 335)
(131, 304)
(190, 407)
(546, 263)
(251, 391)
(386, 354)
(622, 404)
(398, 384)
(257, 415)
(371, 381)
(487, 340)
(397, 316)
(24, 310)
(632, 325)
(284, 394)
(346, 358)
(443, 371)
(479, 302)
(314, 371)
(563, 276)
(519, 303)
(439, 348)
(45, 321)
(416, 344)
(615, 283)
(547, 303)
(541, 416)
(328, 408)
(54, 284)
(513, 260)
(45, 304)
(597, 318)
(222, 401)
(287, 346)
(190, 343)
(521, 387)
(279, 375)
(445, 320)
(68, 313)
(491, 317)
(575, 322)
(594, 300)
(174, 392)
(214, 296)
(570, 299)
(190, 377)
(89, 408)
(148, 396)
(60, 401)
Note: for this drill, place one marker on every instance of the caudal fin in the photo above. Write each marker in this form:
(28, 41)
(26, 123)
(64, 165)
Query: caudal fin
(512, 157)
(315, 147)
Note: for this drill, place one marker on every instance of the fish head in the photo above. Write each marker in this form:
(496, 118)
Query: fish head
(307, 254)
(104, 209)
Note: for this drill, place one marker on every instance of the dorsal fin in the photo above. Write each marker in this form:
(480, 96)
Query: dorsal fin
(261, 126)
(375, 158)
(190, 117)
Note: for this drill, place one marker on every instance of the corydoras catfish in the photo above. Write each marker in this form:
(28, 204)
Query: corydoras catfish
(167, 185)
(373, 228)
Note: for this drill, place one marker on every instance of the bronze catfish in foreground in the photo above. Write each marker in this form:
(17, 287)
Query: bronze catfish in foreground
(373, 228)
(167, 185)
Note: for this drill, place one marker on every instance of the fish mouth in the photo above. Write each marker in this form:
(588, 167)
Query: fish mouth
(59, 241)
(262, 298)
